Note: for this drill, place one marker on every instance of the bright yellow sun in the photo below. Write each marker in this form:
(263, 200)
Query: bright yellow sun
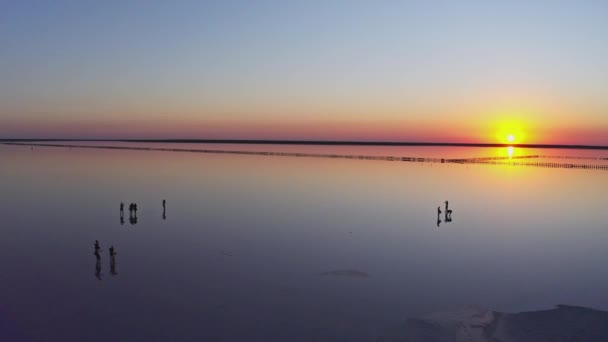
(510, 138)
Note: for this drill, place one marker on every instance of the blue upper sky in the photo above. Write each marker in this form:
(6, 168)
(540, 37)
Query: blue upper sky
(76, 66)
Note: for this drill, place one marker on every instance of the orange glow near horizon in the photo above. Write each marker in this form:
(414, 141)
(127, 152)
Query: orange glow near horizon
(493, 127)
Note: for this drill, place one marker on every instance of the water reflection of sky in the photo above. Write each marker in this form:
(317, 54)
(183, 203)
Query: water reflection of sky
(247, 237)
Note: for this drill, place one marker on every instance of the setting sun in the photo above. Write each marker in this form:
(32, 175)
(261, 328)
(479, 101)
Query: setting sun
(510, 131)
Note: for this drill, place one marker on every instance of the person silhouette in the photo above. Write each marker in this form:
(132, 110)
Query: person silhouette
(164, 204)
(438, 210)
(122, 209)
(135, 208)
(164, 215)
(438, 220)
(122, 220)
(448, 213)
(97, 249)
(98, 260)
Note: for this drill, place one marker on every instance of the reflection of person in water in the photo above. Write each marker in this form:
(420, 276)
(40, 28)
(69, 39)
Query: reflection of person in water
(122, 220)
(438, 220)
(113, 261)
(98, 269)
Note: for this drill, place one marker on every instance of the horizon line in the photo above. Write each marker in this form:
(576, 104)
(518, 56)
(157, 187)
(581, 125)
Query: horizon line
(321, 142)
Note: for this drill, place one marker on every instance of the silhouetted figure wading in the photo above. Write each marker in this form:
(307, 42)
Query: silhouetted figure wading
(98, 260)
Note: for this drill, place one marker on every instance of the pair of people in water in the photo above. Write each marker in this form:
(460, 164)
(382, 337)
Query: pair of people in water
(448, 214)
(132, 213)
(98, 257)
(98, 250)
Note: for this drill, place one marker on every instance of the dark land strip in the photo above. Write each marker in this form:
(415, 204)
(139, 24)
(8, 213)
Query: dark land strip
(317, 142)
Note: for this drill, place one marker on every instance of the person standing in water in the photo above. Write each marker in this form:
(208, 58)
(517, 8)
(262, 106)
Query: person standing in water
(97, 249)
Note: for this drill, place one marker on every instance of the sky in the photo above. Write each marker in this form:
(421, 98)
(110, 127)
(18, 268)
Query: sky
(453, 71)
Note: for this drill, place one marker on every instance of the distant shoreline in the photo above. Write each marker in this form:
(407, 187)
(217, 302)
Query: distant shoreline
(319, 142)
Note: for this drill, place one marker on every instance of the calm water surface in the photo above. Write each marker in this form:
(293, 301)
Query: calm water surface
(264, 248)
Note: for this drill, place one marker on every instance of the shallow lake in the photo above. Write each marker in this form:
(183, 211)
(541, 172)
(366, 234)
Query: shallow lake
(284, 248)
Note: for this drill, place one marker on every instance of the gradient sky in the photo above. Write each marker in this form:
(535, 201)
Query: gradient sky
(467, 71)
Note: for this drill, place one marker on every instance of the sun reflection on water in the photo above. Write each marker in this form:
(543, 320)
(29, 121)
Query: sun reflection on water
(510, 151)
